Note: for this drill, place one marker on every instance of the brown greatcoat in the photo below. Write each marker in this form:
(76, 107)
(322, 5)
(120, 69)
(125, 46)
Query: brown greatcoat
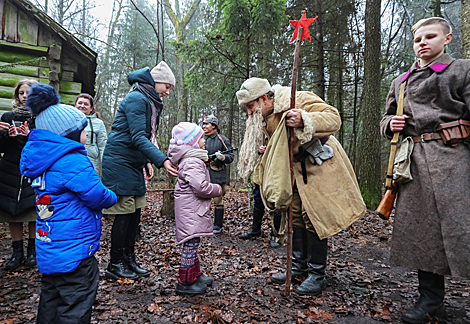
(432, 219)
(331, 198)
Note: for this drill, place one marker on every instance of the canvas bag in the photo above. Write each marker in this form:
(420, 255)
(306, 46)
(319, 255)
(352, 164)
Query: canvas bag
(402, 163)
(272, 171)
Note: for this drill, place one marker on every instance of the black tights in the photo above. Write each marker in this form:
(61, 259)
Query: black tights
(123, 234)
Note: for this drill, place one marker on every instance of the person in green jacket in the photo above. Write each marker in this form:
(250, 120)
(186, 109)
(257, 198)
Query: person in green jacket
(98, 136)
(129, 150)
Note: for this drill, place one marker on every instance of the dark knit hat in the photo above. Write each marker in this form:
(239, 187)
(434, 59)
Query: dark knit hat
(44, 103)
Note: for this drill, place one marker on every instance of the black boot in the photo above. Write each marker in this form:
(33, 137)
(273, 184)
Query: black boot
(317, 251)
(31, 253)
(255, 230)
(273, 244)
(431, 299)
(299, 257)
(218, 220)
(130, 259)
(277, 224)
(117, 267)
(188, 283)
(17, 257)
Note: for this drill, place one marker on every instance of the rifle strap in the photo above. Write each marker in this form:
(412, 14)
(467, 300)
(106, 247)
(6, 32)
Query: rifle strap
(220, 137)
(394, 142)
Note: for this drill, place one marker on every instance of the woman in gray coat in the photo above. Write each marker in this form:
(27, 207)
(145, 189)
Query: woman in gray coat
(97, 135)
(431, 232)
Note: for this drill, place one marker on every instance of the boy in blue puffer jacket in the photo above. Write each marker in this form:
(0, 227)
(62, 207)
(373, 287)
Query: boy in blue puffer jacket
(69, 199)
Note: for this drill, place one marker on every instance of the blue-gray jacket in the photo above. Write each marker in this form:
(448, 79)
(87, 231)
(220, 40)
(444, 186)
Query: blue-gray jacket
(129, 147)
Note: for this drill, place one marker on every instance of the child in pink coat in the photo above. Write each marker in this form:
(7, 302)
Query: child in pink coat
(193, 193)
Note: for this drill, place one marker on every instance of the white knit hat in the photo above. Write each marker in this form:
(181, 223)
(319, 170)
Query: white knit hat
(162, 74)
(252, 89)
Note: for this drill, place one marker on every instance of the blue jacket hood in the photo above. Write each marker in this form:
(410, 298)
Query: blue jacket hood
(141, 76)
(43, 149)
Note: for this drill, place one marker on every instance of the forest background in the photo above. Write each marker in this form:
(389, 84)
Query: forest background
(358, 47)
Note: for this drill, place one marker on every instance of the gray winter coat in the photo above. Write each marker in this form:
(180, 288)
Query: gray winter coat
(96, 141)
(193, 193)
(432, 219)
(214, 144)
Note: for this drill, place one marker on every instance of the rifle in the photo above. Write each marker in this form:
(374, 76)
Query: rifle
(386, 204)
(213, 158)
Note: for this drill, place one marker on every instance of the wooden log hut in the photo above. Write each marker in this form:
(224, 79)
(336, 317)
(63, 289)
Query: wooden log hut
(34, 46)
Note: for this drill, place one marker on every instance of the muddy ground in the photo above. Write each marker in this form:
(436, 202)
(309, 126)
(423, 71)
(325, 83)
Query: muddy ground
(361, 289)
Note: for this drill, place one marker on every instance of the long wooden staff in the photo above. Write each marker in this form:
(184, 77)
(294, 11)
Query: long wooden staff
(290, 231)
(299, 35)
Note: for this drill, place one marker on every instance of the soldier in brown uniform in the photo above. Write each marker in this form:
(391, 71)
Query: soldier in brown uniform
(432, 225)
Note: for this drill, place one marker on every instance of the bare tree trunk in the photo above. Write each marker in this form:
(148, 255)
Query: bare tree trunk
(321, 52)
(340, 97)
(465, 29)
(369, 150)
(436, 8)
(60, 18)
(180, 26)
(83, 29)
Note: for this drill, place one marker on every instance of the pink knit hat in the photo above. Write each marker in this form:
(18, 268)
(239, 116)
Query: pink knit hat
(186, 134)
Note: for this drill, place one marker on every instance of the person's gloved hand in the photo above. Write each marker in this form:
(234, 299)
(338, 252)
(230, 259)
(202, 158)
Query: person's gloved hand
(219, 156)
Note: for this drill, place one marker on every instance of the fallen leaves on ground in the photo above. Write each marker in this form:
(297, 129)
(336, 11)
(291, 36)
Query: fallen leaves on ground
(360, 283)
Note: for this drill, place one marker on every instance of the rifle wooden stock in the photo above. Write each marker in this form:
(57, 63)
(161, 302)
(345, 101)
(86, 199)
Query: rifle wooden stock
(386, 204)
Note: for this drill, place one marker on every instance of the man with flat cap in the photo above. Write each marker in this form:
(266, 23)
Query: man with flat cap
(215, 144)
(326, 197)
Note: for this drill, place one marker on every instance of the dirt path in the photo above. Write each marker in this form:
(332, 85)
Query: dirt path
(361, 289)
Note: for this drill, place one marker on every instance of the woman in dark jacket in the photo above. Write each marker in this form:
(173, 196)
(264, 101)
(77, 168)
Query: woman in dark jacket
(128, 151)
(17, 203)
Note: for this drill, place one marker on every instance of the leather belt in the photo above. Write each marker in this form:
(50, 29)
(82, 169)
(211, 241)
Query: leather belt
(426, 137)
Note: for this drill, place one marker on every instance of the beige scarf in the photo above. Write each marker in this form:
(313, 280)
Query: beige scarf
(196, 153)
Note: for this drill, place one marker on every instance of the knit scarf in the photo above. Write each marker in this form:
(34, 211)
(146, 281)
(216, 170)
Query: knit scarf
(197, 153)
(155, 102)
(20, 110)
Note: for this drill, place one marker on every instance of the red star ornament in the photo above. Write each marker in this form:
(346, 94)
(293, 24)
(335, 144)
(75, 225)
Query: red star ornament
(304, 22)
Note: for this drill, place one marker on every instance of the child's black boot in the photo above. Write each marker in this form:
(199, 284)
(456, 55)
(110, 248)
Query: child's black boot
(31, 253)
(17, 258)
(188, 283)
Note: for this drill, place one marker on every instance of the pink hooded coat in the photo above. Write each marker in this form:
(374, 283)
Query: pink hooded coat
(193, 193)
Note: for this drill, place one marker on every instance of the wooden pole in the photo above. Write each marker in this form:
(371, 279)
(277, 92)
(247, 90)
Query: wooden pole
(291, 161)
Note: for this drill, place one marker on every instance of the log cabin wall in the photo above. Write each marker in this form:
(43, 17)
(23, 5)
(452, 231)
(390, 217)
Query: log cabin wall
(33, 46)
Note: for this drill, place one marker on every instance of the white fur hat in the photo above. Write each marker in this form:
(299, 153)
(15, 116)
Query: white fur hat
(252, 89)
(163, 74)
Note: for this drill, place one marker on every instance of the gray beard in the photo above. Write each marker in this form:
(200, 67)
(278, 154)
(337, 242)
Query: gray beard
(254, 138)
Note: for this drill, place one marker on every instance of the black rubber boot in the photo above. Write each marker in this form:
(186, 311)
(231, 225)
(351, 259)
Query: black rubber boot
(117, 267)
(208, 281)
(218, 220)
(17, 257)
(130, 259)
(255, 230)
(431, 300)
(188, 283)
(197, 288)
(299, 257)
(277, 224)
(317, 252)
(31, 253)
